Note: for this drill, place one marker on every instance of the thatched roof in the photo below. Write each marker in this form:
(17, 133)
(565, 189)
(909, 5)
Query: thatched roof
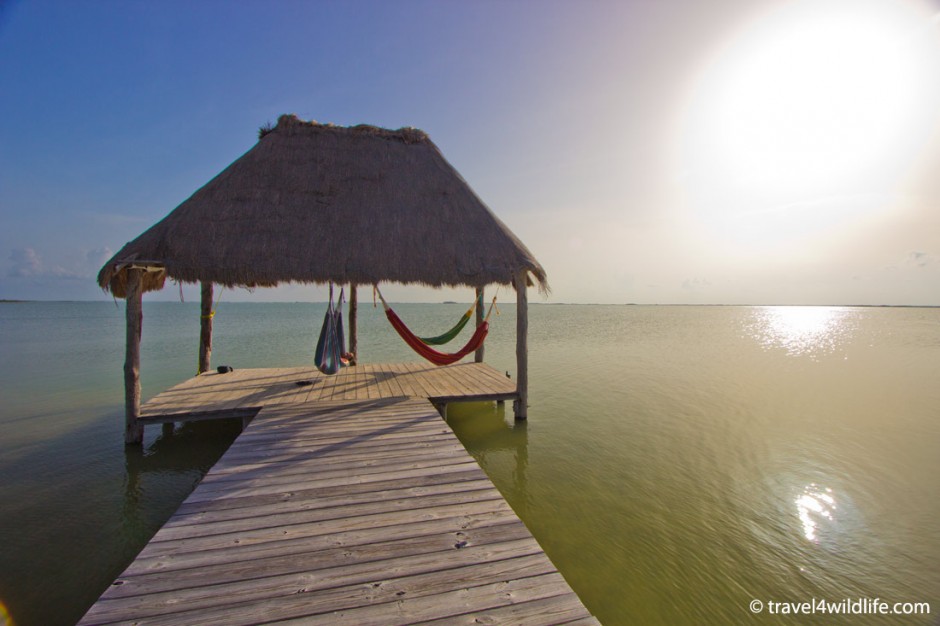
(312, 203)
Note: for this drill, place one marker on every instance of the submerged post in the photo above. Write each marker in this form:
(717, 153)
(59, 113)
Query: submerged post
(478, 355)
(520, 406)
(205, 328)
(353, 328)
(133, 430)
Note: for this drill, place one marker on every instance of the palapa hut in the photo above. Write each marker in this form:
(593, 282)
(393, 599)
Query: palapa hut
(314, 203)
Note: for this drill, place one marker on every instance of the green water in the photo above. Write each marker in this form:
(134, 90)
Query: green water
(678, 463)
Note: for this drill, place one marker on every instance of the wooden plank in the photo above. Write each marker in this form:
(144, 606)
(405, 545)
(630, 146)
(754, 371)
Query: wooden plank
(346, 502)
(329, 447)
(521, 405)
(252, 508)
(380, 379)
(329, 386)
(443, 605)
(263, 444)
(584, 621)
(205, 327)
(353, 318)
(560, 609)
(330, 527)
(225, 570)
(420, 483)
(158, 560)
(408, 450)
(266, 451)
(133, 314)
(354, 433)
(391, 381)
(485, 379)
(200, 416)
(281, 470)
(418, 507)
(303, 585)
(391, 589)
(268, 387)
(406, 381)
(457, 380)
(479, 315)
(288, 477)
(415, 373)
(284, 487)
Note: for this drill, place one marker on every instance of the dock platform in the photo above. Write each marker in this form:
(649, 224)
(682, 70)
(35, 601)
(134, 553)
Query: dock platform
(211, 395)
(345, 501)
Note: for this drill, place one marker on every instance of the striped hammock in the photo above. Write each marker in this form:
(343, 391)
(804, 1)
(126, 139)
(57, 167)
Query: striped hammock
(332, 343)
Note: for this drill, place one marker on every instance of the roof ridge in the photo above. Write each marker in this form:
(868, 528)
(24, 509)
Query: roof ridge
(289, 122)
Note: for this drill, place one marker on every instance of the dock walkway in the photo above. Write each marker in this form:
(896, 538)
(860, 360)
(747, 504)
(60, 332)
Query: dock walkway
(337, 507)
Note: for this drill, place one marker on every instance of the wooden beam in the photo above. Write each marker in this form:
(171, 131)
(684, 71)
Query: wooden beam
(353, 324)
(133, 429)
(520, 406)
(478, 355)
(205, 328)
(201, 416)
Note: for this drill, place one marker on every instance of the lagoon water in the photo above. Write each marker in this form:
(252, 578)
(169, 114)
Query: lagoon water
(678, 462)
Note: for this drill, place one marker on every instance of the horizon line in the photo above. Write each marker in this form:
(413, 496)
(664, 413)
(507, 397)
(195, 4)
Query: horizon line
(704, 304)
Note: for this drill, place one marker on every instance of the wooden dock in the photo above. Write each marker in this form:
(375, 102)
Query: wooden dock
(347, 500)
(210, 395)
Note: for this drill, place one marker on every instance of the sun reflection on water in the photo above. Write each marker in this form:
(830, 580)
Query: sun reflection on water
(815, 506)
(801, 330)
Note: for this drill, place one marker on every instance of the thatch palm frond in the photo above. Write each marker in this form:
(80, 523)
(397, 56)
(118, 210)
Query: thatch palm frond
(312, 203)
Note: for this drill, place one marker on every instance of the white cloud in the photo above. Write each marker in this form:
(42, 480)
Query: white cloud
(26, 263)
(918, 259)
(692, 284)
(97, 257)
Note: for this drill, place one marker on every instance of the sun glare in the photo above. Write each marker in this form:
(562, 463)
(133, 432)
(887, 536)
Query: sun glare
(815, 99)
(810, 331)
(815, 507)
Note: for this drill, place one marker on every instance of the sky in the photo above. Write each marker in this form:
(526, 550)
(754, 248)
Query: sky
(721, 152)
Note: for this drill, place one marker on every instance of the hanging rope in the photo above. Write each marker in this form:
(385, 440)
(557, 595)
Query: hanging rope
(215, 305)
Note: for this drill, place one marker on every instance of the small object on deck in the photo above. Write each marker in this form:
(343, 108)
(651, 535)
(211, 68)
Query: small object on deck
(224, 369)
(304, 383)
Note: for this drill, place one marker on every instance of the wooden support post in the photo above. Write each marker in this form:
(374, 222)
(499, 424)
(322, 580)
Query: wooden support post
(205, 328)
(133, 430)
(353, 324)
(520, 406)
(478, 355)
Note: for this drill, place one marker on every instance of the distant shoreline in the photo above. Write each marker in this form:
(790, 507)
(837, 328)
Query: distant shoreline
(535, 303)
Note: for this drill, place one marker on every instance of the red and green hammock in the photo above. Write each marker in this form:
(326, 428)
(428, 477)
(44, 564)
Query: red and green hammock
(453, 332)
(426, 351)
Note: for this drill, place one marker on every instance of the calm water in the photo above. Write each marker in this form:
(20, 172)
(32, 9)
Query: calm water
(678, 462)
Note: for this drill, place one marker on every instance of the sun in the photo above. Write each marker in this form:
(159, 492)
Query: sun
(811, 100)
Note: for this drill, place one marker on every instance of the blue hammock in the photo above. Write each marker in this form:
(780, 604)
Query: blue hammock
(332, 343)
